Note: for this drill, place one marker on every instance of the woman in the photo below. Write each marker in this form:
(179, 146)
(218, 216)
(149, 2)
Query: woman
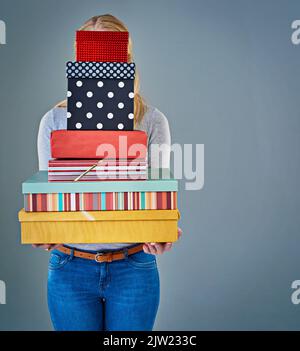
(118, 294)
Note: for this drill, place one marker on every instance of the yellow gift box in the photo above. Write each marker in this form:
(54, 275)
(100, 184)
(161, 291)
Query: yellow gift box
(99, 226)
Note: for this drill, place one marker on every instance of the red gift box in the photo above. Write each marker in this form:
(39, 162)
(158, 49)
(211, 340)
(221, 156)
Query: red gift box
(106, 46)
(98, 144)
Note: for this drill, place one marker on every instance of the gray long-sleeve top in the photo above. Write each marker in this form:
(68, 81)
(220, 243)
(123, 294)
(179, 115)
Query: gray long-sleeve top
(154, 123)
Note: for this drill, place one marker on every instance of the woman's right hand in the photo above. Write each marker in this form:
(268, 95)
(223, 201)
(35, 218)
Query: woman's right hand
(47, 247)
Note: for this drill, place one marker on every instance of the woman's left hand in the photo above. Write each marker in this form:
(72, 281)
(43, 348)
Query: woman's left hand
(159, 248)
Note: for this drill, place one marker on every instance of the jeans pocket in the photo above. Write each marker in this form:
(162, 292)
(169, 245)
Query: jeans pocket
(58, 260)
(142, 260)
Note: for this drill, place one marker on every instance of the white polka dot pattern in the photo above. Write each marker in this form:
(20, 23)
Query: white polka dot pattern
(105, 104)
(107, 70)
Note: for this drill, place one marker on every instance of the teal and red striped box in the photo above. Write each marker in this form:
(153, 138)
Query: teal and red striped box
(157, 192)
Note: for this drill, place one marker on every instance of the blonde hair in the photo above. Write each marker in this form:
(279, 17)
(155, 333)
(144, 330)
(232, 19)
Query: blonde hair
(111, 23)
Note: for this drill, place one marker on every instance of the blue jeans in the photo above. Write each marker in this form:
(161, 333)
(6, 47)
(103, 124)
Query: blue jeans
(119, 295)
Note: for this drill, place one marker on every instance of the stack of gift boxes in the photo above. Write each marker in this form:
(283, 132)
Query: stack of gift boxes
(98, 181)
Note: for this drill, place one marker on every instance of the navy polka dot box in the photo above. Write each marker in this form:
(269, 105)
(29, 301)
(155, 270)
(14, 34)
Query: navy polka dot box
(100, 95)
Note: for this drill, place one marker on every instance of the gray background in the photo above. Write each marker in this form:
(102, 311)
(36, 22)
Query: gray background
(226, 74)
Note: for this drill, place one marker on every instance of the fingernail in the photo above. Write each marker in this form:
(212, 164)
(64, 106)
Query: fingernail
(152, 243)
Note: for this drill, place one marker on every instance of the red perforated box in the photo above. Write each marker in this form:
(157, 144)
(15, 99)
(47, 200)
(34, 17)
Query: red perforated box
(103, 46)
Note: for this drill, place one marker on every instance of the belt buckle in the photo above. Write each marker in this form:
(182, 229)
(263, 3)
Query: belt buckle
(97, 255)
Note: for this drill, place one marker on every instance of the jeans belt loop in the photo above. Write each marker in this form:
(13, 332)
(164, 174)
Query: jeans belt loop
(109, 257)
(125, 252)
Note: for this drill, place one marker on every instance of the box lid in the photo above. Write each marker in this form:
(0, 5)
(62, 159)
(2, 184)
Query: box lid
(137, 215)
(110, 36)
(100, 70)
(159, 179)
(79, 144)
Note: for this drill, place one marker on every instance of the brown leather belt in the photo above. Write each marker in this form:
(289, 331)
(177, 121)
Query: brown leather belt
(101, 256)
